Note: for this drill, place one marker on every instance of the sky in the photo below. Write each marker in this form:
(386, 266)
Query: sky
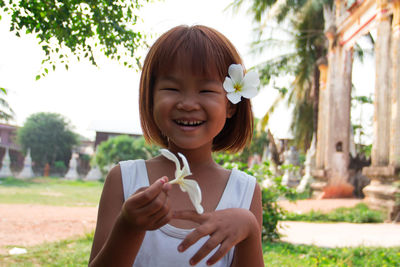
(106, 97)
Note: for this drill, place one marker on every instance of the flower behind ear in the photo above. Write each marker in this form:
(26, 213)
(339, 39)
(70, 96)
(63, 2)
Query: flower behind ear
(238, 86)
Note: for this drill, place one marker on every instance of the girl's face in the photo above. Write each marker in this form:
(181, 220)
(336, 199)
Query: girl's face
(190, 110)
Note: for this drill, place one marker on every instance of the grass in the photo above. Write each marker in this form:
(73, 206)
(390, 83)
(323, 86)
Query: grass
(71, 252)
(75, 252)
(284, 254)
(360, 213)
(50, 191)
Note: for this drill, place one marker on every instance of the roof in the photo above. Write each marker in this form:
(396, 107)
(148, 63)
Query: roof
(116, 126)
(8, 126)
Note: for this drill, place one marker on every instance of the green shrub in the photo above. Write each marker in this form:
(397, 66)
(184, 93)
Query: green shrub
(358, 214)
(59, 167)
(272, 212)
(122, 147)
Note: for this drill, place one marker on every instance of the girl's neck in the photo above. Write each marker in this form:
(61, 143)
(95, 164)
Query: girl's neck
(196, 157)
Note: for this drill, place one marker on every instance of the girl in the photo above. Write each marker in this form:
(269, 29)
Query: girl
(145, 221)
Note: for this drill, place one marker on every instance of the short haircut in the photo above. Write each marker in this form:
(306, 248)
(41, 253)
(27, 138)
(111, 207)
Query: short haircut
(208, 53)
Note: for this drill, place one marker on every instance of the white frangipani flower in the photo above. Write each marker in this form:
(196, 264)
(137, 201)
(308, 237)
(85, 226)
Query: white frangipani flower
(187, 185)
(237, 86)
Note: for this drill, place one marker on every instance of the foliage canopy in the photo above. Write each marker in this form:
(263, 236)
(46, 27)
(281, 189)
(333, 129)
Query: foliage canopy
(79, 26)
(122, 147)
(49, 138)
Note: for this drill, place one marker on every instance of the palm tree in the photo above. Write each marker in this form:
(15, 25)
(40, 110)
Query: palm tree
(303, 21)
(6, 112)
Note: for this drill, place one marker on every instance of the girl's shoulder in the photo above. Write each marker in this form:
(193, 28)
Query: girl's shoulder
(239, 190)
(133, 176)
(243, 175)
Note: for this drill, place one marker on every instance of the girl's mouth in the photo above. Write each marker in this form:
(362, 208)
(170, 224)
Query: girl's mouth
(189, 123)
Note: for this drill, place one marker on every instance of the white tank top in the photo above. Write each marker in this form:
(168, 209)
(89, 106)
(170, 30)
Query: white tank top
(159, 247)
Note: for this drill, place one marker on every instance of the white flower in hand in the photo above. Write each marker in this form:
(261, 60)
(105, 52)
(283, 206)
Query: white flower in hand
(186, 185)
(237, 86)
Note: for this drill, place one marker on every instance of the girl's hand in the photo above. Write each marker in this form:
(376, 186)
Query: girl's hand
(148, 208)
(225, 227)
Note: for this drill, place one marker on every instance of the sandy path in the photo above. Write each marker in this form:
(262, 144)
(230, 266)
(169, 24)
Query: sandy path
(28, 225)
(323, 205)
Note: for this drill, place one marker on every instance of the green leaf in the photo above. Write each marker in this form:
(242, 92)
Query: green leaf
(37, 77)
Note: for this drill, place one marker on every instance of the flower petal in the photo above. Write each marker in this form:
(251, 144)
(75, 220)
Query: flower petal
(251, 79)
(185, 169)
(249, 92)
(228, 85)
(169, 155)
(234, 97)
(193, 189)
(236, 73)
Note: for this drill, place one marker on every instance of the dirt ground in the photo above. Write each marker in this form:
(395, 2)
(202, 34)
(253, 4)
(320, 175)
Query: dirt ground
(323, 205)
(29, 225)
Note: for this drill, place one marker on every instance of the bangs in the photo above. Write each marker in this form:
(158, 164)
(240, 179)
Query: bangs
(197, 49)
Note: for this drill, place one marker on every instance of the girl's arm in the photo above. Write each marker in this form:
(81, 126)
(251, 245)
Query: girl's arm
(227, 228)
(121, 226)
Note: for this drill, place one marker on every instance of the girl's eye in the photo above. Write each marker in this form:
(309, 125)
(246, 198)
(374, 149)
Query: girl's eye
(169, 89)
(207, 91)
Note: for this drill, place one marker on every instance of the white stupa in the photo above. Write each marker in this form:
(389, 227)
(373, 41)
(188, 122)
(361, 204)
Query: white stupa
(72, 173)
(309, 166)
(94, 174)
(27, 171)
(5, 169)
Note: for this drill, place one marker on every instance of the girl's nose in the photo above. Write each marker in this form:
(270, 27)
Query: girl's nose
(188, 103)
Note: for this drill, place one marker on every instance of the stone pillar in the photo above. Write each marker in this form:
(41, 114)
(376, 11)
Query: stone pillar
(320, 149)
(394, 155)
(332, 77)
(381, 193)
(334, 120)
(338, 143)
(338, 130)
(380, 145)
(327, 83)
(329, 98)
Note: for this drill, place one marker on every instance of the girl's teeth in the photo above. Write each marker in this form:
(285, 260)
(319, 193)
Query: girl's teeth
(189, 122)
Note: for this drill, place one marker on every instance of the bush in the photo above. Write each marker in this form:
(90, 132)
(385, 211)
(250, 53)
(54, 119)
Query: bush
(59, 168)
(272, 213)
(122, 147)
(358, 214)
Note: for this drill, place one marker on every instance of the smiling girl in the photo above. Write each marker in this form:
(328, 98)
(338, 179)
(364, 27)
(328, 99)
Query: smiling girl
(193, 101)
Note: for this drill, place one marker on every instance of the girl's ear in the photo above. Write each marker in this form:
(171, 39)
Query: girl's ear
(230, 110)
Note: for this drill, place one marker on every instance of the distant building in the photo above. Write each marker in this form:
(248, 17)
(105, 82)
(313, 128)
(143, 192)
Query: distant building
(108, 129)
(8, 134)
(104, 136)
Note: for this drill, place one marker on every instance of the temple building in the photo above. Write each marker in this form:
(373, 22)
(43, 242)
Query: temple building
(348, 21)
